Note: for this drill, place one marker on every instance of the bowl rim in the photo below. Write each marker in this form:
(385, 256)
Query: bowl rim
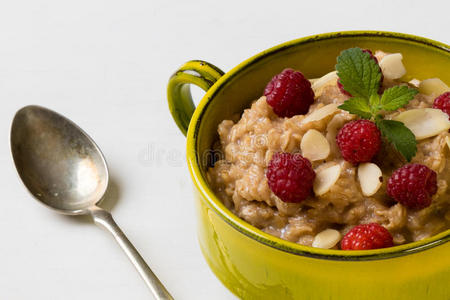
(258, 235)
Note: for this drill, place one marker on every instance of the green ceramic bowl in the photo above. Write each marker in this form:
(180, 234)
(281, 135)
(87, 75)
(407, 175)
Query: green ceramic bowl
(256, 265)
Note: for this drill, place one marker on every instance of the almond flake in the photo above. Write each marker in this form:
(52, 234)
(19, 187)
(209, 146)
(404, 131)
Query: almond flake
(325, 179)
(319, 83)
(321, 113)
(433, 86)
(369, 175)
(424, 122)
(314, 145)
(326, 239)
(392, 66)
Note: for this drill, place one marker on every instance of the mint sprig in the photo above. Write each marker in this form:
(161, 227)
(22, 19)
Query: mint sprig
(357, 106)
(396, 97)
(360, 75)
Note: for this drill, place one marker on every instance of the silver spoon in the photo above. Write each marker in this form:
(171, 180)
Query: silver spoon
(64, 169)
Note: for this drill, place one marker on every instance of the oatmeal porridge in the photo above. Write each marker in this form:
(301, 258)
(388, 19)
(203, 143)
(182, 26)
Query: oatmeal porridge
(344, 193)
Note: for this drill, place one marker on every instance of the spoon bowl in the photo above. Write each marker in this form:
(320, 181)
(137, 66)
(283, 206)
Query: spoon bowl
(64, 169)
(57, 161)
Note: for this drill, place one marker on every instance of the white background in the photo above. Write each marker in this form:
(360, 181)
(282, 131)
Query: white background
(105, 65)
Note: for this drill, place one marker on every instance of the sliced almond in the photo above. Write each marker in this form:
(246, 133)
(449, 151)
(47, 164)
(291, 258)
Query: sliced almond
(314, 145)
(392, 66)
(328, 79)
(414, 82)
(380, 54)
(313, 80)
(326, 239)
(424, 122)
(325, 179)
(369, 176)
(321, 113)
(433, 86)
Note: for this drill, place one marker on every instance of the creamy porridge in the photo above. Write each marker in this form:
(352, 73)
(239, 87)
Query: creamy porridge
(248, 145)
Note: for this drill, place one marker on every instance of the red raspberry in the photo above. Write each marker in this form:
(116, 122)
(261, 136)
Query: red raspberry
(341, 87)
(359, 141)
(366, 237)
(443, 103)
(413, 185)
(289, 93)
(290, 177)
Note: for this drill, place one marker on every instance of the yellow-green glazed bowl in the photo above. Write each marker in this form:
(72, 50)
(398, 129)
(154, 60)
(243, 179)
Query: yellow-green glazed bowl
(256, 265)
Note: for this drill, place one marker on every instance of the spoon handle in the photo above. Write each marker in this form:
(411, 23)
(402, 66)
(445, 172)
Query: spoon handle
(104, 219)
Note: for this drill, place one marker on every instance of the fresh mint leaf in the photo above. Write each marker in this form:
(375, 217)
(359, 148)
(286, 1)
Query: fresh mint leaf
(359, 74)
(357, 106)
(399, 135)
(374, 102)
(396, 97)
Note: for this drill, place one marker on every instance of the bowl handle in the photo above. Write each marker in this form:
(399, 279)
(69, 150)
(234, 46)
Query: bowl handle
(181, 106)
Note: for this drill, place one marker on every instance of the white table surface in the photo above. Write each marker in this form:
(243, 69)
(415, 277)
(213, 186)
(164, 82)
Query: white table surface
(105, 65)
